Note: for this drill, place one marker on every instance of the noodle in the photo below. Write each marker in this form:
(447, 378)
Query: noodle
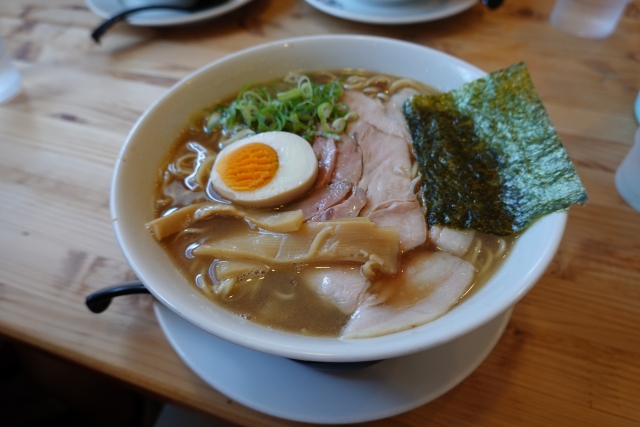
(164, 202)
(203, 171)
(239, 135)
(414, 170)
(361, 82)
(184, 165)
(502, 245)
(476, 252)
(285, 297)
(487, 263)
(402, 83)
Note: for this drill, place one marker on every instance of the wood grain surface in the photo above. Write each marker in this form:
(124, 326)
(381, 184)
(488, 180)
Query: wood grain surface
(571, 352)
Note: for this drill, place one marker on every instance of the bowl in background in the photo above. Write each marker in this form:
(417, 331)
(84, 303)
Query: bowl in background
(156, 130)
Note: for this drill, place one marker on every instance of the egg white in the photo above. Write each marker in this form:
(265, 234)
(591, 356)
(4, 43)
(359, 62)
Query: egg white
(296, 174)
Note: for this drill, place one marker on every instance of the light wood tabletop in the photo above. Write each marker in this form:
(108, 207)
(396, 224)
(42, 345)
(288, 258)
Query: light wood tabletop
(571, 352)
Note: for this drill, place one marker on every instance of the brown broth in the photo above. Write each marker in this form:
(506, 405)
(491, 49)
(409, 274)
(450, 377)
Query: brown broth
(278, 299)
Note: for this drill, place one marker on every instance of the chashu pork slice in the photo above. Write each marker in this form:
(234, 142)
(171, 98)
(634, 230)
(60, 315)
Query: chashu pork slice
(326, 152)
(342, 286)
(456, 242)
(340, 163)
(387, 116)
(403, 215)
(383, 138)
(430, 283)
(348, 160)
(316, 202)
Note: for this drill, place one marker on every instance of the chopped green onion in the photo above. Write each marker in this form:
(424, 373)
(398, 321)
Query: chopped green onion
(290, 94)
(239, 135)
(351, 116)
(212, 121)
(338, 125)
(297, 106)
(324, 110)
(304, 84)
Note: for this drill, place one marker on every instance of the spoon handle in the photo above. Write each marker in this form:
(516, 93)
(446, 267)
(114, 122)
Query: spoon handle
(102, 28)
(98, 301)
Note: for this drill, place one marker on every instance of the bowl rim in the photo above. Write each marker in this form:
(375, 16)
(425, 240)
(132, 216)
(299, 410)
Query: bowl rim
(393, 345)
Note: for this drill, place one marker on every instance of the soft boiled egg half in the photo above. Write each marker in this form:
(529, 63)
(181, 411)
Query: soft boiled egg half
(265, 170)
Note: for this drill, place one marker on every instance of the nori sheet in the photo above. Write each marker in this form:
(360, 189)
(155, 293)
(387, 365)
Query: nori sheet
(490, 158)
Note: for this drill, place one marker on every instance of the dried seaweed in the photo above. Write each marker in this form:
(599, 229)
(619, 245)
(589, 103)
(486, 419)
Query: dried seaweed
(490, 157)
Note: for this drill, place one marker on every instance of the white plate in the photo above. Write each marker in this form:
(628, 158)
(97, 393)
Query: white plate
(404, 13)
(290, 390)
(161, 17)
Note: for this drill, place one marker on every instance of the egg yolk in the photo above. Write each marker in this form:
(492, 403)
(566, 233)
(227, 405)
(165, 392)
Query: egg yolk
(248, 167)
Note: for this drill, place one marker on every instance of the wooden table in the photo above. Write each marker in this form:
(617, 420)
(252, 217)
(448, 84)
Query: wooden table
(571, 352)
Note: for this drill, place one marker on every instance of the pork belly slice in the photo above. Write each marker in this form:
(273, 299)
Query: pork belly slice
(346, 169)
(341, 286)
(386, 173)
(428, 286)
(403, 215)
(348, 160)
(326, 153)
(386, 116)
(337, 160)
(347, 209)
(383, 137)
(321, 199)
(456, 242)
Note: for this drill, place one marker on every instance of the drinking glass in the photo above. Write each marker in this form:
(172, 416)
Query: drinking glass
(10, 78)
(628, 175)
(588, 18)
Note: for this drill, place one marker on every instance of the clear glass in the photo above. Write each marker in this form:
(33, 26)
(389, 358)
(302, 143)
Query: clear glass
(588, 18)
(10, 78)
(628, 175)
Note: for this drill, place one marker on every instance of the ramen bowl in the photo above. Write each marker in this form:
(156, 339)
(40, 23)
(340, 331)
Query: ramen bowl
(152, 136)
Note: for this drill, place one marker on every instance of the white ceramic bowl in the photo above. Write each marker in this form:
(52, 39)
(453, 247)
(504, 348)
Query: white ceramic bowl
(151, 137)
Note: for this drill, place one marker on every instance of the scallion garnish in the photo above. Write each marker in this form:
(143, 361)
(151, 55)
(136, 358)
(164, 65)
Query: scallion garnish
(297, 109)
